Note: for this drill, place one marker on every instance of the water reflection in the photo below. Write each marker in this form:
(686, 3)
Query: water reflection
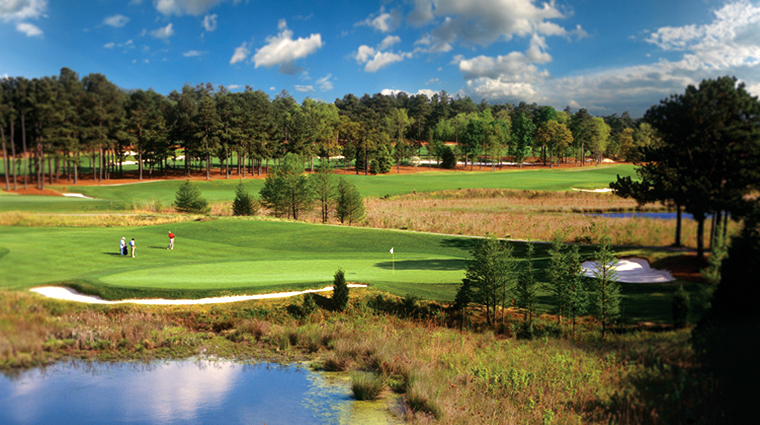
(188, 392)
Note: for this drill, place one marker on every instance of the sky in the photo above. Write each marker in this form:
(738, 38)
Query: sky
(605, 56)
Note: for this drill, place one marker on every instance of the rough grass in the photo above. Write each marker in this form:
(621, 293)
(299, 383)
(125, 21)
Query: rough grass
(447, 375)
(527, 215)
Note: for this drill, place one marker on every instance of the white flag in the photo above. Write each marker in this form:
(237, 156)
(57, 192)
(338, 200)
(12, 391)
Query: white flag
(391, 250)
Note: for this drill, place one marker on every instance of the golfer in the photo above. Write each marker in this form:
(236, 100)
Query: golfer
(123, 246)
(132, 245)
(171, 240)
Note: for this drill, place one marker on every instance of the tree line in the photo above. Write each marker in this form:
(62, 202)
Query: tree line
(54, 126)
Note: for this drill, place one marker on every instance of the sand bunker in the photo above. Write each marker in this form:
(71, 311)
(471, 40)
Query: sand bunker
(633, 270)
(68, 294)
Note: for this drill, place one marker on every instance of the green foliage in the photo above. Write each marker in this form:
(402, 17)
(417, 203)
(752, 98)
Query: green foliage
(491, 274)
(366, 386)
(605, 293)
(681, 307)
(382, 161)
(325, 189)
(244, 203)
(349, 205)
(448, 159)
(526, 288)
(287, 191)
(188, 199)
(340, 291)
(308, 304)
(558, 285)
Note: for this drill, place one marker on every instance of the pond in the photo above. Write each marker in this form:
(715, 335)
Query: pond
(187, 392)
(656, 215)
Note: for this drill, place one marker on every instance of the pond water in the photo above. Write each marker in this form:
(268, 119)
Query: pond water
(187, 392)
(657, 215)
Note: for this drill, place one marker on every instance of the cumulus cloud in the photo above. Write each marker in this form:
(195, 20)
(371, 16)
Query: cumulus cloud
(375, 59)
(109, 45)
(28, 29)
(193, 53)
(382, 21)
(282, 50)
(116, 21)
(16, 10)
(209, 22)
(241, 54)
(164, 32)
(483, 22)
(184, 7)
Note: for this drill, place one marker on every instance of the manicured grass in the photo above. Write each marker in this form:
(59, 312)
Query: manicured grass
(232, 256)
(126, 196)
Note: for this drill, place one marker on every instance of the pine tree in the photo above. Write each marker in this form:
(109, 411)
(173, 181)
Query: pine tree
(576, 285)
(244, 204)
(680, 308)
(526, 290)
(491, 275)
(324, 188)
(382, 161)
(557, 273)
(349, 205)
(605, 289)
(340, 291)
(188, 199)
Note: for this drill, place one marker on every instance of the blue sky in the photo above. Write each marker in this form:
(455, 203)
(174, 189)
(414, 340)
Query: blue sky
(606, 56)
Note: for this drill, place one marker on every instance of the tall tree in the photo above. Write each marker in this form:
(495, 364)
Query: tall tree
(526, 290)
(349, 205)
(522, 137)
(491, 275)
(605, 293)
(287, 191)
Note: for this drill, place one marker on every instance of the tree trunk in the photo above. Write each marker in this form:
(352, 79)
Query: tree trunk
(13, 158)
(678, 225)
(6, 161)
(25, 159)
(700, 236)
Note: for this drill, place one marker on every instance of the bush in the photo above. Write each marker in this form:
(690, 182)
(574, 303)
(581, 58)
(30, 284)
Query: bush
(340, 291)
(188, 199)
(448, 159)
(382, 162)
(681, 306)
(244, 204)
(366, 386)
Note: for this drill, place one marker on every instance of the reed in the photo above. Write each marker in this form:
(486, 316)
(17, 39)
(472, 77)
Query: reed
(366, 386)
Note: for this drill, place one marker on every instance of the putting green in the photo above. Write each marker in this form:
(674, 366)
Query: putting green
(267, 273)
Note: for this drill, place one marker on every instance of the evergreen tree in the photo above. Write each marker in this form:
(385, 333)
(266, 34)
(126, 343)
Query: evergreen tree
(287, 191)
(188, 199)
(605, 289)
(526, 290)
(323, 182)
(382, 162)
(448, 159)
(244, 204)
(680, 308)
(491, 275)
(463, 299)
(340, 291)
(576, 285)
(349, 205)
(557, 286)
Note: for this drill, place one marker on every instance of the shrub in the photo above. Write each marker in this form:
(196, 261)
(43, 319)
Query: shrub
(448, 159)
(366, 386)
(188, 199)
(340, 291)
(681, 306)
(244, 204)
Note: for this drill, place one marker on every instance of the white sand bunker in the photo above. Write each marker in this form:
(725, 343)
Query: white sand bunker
(632, 270)
(68, 294)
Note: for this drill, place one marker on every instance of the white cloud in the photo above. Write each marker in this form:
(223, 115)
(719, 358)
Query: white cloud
(483, 22)
(234, 86)
(184, 7)
(383, 21)
(324, 83)
(164, 32)
(241, 54)
(16, 10)
(282, 50)
(389, 41)
(304, 89)
(393, 92)
(209, 22)
(109, 45)
(383, 59)
(193, 53)
(29, 29)
(116, 21)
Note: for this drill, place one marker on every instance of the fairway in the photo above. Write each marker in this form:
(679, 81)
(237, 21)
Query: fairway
(231, 256)
(148, 192)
